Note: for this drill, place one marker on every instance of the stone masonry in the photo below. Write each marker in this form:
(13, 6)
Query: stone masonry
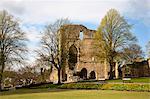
(78, 61)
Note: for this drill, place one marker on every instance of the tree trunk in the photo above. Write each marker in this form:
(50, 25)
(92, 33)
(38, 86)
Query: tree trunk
(1, 81)
(111, 72)
(1, 73)
(42, 75)
(59, 80)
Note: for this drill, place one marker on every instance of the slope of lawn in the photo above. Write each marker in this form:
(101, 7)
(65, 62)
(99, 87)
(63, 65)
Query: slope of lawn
(72, 94)
(133, 80)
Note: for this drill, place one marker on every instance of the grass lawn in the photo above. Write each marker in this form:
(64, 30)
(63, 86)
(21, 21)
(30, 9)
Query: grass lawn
(135, 80)
(72, 94)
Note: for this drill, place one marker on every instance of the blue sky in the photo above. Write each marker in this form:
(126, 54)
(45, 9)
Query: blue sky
(142, 32)
(139, 29)
(35, 14)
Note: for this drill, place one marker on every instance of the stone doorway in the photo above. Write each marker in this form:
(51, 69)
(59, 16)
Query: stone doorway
(92, 75)
(83, 74)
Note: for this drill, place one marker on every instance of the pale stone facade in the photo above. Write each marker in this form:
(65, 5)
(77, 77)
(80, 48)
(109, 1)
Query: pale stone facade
(78, 60)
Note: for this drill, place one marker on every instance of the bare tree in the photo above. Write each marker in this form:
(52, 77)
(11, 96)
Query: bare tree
(148, 49)
(28, 74)
(132, 53)
(12, 43)
(50, 51)
(41, 63)
(113, 35)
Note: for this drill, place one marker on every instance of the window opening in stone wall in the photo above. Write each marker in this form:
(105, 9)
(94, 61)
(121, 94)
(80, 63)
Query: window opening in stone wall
(93, 59)
(81, 35)
(92, 75)
(83, 74)
(72, 57)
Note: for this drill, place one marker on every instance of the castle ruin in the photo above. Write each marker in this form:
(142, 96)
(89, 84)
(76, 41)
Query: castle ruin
(78, 60)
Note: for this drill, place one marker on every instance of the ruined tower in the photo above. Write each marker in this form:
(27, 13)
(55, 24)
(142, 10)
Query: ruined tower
(78, 61)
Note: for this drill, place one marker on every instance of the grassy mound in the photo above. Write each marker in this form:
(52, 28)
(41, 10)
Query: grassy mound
(126, 87)
(80, 86)
(107, 86)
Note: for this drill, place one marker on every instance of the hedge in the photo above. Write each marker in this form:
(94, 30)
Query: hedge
(120, 87)
(106, 86)
(127, 87)
(37, 86)
(80, 86)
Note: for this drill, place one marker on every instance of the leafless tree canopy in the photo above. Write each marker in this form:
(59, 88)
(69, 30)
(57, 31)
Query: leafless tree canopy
(12, 42)
(50, 45)
(148, 49)
(132, 53)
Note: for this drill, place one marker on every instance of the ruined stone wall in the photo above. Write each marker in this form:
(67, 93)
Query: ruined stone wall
(81, 48)
(70, 36)
(137, 69)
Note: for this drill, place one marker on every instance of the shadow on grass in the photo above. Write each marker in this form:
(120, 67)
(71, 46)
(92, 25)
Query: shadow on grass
(30, 91)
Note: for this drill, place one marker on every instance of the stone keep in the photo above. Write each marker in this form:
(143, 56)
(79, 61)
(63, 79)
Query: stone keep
(77, 54)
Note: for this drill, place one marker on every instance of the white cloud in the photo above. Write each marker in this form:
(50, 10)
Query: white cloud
(40, 12)
(139, 10)
(44, 11)
(14, 6)
(33, 33)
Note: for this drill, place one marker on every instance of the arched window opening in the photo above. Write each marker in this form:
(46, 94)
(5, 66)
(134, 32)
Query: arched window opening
(83, 74)
(92, 75)
(81, 35)
(72, 57)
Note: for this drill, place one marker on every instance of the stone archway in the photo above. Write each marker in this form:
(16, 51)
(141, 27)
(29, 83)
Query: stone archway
(72, 57)
(92, 75)
(83, 73)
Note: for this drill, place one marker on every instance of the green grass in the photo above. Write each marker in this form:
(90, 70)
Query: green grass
(134, 80)
(72, 94)
(108, 86)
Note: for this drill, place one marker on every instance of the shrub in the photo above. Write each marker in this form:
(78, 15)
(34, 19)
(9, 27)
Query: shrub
(51, 86)
(80, 86)
(108, 86)
(127, 87)
(36, 86)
